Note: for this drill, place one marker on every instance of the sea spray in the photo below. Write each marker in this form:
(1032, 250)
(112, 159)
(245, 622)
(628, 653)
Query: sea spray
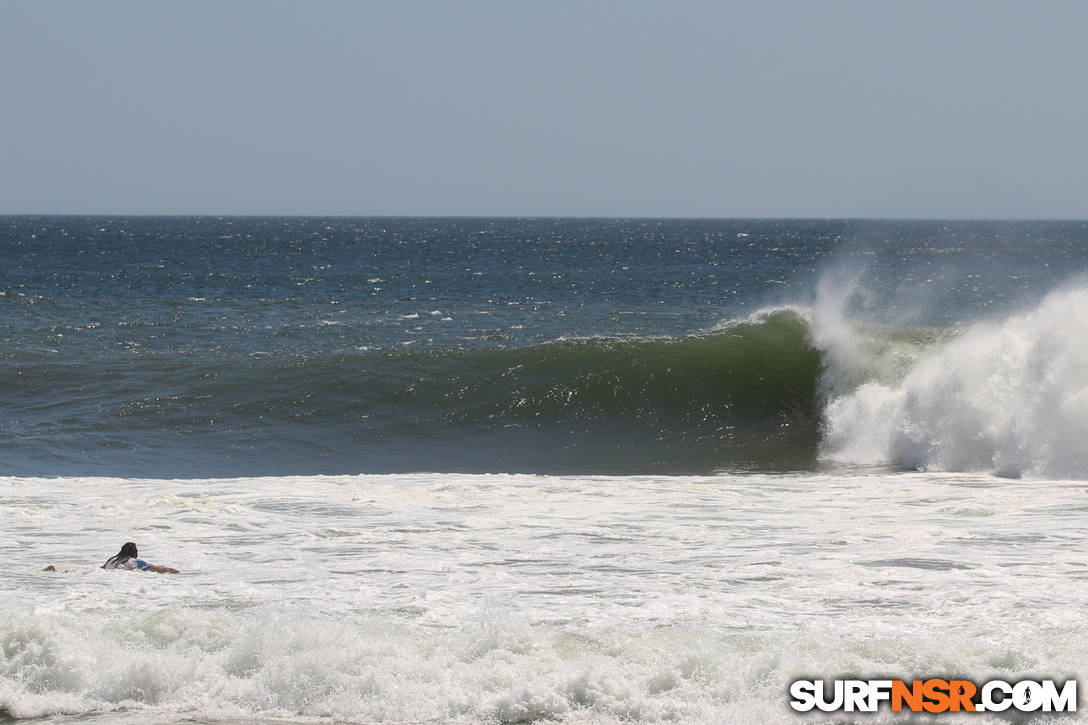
(1009, 397)
(269, 346)
(833, 333)
(172, 351)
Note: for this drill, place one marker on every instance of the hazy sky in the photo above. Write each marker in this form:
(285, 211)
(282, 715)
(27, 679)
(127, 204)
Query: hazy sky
(629, 108)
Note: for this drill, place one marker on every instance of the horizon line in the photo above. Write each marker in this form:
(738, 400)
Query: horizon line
(243, 215)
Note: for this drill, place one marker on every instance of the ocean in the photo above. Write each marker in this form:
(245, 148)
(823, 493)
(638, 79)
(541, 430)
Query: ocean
(520, 470)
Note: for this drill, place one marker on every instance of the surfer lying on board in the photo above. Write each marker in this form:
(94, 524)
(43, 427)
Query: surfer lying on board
(127, 558)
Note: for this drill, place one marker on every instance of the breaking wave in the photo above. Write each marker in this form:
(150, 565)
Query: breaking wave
(788, 388)
(1008, 397)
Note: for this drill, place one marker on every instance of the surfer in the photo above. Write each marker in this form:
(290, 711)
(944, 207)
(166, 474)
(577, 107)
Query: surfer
(127, 559)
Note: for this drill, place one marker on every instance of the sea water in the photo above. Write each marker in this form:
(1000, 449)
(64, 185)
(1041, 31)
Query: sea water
(421, 470)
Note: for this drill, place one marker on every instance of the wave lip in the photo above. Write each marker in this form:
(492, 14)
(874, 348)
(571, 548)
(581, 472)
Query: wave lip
(787, 388)
(1010, 397)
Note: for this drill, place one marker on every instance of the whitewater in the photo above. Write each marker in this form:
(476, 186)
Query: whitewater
(516, 598)
(1009, 397)
(545, 488)
(447, 598)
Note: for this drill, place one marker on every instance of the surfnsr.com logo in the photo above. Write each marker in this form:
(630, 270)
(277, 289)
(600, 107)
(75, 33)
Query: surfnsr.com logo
(934, 695)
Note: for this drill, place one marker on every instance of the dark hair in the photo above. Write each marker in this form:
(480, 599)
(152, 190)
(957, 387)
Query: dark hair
(128, 551)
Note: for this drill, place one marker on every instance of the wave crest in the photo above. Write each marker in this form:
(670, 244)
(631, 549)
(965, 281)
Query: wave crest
(1009, 397)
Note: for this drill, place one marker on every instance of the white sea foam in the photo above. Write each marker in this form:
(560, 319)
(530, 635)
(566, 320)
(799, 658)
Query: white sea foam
(1009, 397)
(448, 598)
